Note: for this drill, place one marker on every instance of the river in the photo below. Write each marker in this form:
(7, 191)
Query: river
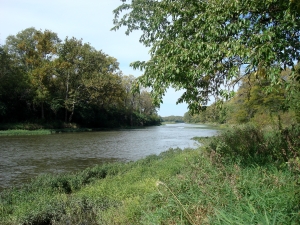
(24, 157)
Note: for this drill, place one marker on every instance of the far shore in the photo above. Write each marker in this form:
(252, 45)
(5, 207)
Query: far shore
(37, 129)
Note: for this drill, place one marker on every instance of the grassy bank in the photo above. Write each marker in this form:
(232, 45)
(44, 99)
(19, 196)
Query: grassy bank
(41, 131)
(13, 129)
(24, 132)
(38, 128)
(227, 181)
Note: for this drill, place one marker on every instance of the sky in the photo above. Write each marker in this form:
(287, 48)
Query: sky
(90, 20)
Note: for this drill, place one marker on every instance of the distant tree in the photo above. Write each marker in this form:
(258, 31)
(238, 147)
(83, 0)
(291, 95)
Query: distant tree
(137, 102)
(87, 76)
(174, 119)
(35, 52)
(41, 60)
(20, 44)
(145, 103)
(130, 97)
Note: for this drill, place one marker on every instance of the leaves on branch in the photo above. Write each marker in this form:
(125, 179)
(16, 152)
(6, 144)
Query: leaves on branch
(205, 46)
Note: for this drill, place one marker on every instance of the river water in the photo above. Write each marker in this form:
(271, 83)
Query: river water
(24, 157)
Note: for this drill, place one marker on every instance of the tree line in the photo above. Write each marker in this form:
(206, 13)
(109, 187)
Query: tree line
(172, 119)
(43, 78)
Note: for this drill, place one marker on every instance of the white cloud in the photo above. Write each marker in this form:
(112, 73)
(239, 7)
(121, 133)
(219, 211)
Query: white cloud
(90, 20)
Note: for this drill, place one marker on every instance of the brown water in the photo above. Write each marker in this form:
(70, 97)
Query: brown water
(24, 157)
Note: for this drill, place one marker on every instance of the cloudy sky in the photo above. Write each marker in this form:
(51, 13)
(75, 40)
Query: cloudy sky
(90, 20)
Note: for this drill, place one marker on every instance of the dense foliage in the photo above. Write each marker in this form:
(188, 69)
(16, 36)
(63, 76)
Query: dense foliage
(44, 78)
(254, 102)
(206, 46)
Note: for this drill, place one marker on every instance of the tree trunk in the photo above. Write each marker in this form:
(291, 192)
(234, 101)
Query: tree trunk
(42, 106)
(66, 99)
(72, 112)
(66, 115)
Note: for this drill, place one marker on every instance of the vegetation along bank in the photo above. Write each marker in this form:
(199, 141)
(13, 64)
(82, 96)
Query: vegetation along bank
(243, 176)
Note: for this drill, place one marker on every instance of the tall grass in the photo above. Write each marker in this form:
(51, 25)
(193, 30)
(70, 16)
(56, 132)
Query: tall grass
(211, 185)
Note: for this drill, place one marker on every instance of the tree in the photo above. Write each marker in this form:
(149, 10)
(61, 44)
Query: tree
(87, 76)
(145, 103)
(204, 46)
(102, 80)
(35, 52)
(20, 44)
(253, 101)
(16, 47)
(137, 102)
(41, 58)
(130, 97)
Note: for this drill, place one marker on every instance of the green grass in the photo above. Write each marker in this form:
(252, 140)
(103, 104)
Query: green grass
(43, 128)
(36, 125)
(188, 186)
(24, 132)
(35, 128)
(41, 131)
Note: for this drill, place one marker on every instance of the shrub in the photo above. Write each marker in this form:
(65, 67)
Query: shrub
(251, 145)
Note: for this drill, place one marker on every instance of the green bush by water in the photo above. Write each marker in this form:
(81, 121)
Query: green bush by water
(210, 185)
(252, 145)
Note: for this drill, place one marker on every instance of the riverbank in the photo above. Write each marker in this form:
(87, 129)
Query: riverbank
(203, 186)
(18, 132)
(46, 128)
(38, 128)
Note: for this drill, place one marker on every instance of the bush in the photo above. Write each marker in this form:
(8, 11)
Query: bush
(251, 145)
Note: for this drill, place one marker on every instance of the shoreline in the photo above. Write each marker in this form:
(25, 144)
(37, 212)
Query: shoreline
(47, 131)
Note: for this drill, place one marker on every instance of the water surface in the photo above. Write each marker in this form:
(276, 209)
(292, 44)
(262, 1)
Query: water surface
(24, 157)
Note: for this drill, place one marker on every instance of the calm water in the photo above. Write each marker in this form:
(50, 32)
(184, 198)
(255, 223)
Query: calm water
(24, 157)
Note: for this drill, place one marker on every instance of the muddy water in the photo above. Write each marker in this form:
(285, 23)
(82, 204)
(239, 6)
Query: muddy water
(24, 157)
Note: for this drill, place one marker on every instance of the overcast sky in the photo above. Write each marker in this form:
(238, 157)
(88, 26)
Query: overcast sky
(90, 20)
